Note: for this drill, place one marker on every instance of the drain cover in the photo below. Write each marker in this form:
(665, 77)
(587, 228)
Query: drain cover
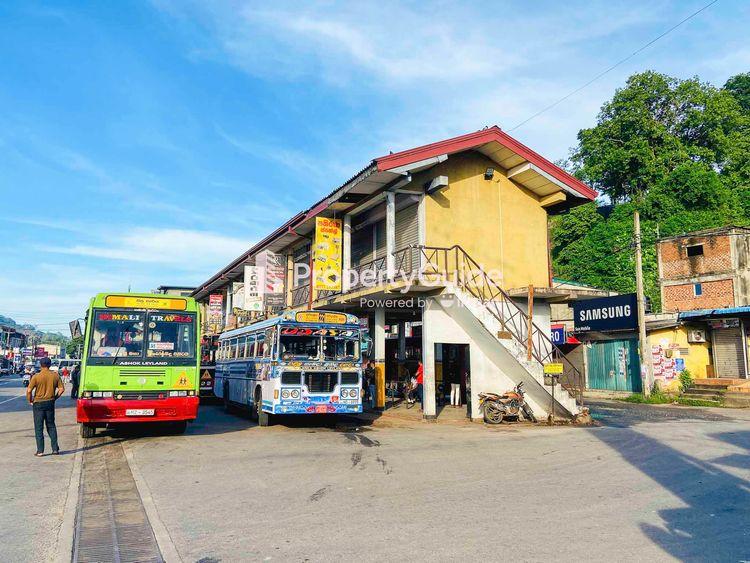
(111, 523)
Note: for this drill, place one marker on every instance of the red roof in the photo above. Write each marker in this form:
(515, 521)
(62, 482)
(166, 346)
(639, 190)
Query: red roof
(477, 139)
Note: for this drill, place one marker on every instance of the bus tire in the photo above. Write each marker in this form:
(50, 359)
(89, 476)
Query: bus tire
(179, 427)
(263, 418)
(225, 398)
(87, 430)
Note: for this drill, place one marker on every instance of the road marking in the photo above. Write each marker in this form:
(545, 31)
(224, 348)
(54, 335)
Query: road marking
(9, 400)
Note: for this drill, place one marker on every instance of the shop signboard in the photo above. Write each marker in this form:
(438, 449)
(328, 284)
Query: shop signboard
(253, 289)
(619, 312)
(327, 255)
(718, 324)
(215, 311)
(273, 272)
(557, 334)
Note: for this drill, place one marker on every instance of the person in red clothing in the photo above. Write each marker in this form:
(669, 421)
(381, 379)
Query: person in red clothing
(420, 381)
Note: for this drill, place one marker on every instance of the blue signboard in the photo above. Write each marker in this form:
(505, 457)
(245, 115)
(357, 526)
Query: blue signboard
(557, 334)
(619, 312)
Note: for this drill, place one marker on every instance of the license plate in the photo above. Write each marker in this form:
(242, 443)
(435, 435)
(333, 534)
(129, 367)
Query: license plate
(321, 408)
(139, 412)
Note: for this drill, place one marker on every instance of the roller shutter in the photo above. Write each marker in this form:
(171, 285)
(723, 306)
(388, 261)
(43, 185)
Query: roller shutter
(729, 357)
(407, 233)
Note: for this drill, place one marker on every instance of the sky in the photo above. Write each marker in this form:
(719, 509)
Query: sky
(147, 143)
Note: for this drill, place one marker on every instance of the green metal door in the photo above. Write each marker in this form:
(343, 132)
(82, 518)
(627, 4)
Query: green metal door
(613, 365)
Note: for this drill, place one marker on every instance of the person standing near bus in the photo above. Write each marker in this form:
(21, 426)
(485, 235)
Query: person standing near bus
(46, 386)
(420, 384)
(369, 376)
(75, 379)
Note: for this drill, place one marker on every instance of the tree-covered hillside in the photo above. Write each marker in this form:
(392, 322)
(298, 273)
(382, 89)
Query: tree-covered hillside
(679, 151)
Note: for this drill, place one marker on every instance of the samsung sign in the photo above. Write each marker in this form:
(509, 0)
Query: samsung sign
(606, 313)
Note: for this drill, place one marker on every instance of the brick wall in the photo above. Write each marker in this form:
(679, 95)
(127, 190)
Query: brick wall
(676, 264)
(716, 294)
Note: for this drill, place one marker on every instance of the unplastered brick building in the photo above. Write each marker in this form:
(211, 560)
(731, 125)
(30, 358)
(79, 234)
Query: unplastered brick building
(705, 270)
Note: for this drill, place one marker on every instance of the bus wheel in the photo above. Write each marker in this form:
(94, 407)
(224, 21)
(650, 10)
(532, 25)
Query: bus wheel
(227, 406)
(179, 427)
(87, 431)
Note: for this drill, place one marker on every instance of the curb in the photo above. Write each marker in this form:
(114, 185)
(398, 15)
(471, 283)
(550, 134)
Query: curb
(66, 532)
(163, 539)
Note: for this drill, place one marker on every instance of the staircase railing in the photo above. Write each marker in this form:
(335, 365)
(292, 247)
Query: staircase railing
(453, 264)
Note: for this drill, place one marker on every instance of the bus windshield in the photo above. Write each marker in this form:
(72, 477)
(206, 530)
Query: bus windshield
(117, 334)
(335, 348)
(299, 346)
(170, 335)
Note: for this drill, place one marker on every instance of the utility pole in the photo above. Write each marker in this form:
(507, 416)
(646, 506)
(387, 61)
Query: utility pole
(645, 351)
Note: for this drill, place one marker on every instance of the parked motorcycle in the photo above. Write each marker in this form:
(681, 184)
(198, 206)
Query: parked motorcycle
(510, 404)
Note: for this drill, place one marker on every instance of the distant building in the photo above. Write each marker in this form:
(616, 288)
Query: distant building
(181, 290)
(705, 269)
(704, 276)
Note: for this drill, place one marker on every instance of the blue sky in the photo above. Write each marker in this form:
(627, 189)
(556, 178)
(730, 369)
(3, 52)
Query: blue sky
(148, 143)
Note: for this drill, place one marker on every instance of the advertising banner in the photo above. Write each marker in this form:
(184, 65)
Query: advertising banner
(215, 311)
(238, 296)
(619, 312)
(327, 254)
(273, 273)
(253, 295)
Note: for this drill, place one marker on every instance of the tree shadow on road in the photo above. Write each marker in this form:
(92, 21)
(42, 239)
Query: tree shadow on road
(713, 524)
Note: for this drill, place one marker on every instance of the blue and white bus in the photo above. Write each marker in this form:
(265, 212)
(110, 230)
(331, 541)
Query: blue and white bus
(308, 362)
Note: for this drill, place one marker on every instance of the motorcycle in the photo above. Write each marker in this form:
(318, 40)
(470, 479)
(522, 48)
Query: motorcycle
(510, 404)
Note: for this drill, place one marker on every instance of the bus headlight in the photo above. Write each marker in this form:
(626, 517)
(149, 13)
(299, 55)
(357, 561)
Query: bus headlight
(344, 393)
(295, 393)
(178, 393)
(102, 394)
(285, 393)
(353, 393)
(86, 394)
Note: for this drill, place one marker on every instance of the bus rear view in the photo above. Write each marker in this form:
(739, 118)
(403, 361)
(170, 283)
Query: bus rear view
(140, 362)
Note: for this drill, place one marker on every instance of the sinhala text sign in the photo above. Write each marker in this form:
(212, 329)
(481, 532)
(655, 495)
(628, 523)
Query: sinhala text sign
(619, 312)
(327, 254)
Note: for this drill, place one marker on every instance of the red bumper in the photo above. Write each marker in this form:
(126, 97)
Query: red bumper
(111, 410)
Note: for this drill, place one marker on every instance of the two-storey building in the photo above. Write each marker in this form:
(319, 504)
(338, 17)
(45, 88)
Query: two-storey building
(705, 278)
(445, 255)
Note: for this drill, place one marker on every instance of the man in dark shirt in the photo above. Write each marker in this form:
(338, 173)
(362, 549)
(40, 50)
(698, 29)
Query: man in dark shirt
(46, 387)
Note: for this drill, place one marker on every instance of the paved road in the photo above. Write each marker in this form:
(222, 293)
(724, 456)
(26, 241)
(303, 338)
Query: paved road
(649, 484)
(32, 490)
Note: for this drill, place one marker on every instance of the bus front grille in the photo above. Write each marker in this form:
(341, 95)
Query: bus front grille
(145, 372)
(321, 381)
(141, 396)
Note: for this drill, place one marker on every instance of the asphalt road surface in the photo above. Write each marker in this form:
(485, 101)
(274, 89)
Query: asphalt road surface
(32, 490)
(647, 484)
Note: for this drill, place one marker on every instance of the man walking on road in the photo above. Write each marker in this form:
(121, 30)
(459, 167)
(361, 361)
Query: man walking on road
(46, 387)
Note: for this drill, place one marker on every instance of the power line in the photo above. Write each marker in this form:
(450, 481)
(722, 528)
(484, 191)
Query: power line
(614, 66)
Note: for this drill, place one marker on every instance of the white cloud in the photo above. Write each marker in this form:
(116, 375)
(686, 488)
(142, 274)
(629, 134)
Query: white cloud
(187, 249)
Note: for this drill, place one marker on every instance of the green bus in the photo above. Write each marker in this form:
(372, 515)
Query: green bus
(140, 361)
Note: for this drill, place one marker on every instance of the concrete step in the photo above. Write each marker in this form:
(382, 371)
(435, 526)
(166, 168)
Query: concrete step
(703, 391)
(715, 387)
(709, 398)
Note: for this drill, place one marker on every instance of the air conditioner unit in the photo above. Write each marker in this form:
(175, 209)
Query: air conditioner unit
(696, 335)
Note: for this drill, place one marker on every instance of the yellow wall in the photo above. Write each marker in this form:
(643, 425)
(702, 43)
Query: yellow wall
(499, 223)
(697, 358)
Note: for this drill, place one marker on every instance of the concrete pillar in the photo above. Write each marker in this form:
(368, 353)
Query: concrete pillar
(379, 353)
(289, 280)
(346, 258)
(390, 234)
(428, 362)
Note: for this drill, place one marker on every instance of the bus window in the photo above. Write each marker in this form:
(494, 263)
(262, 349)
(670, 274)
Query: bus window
(170, 336)
(261, 350)
(337, 348)
(233, 349)
(117, 334)
(295, 345)
(241, 343)
(251, 345)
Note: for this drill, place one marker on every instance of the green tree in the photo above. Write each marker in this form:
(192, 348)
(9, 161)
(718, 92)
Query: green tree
(74, 346)
(677, 150)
